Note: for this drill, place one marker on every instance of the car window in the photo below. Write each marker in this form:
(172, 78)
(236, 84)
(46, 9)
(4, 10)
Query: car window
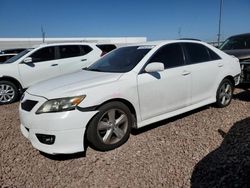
(213, 55)
(18, 56)
(14, 51)
(121, 60)
(170, 55)
(106, 48)
(44, 54)
(3, 58)
(69, 51)
(85, 49)
(236, 43)
(197, 53)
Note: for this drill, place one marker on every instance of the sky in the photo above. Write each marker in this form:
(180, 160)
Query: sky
(156, 20)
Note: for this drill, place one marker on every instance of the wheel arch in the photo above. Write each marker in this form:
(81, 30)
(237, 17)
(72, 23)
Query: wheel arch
(231, 78)
(128, 104)
(14, 81)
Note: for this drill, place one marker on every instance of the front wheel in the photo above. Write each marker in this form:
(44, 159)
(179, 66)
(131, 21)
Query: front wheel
(111, 127)
(224, 93)
(8, 92)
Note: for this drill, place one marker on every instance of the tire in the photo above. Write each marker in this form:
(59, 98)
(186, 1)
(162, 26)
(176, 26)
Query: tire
(105, 132)
(8, 92)
(224, 93)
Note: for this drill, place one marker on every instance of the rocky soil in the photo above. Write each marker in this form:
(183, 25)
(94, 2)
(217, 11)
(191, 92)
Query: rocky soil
(208, 147)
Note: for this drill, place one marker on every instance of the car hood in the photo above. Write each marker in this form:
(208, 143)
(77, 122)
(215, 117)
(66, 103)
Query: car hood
(71, 84)
(240, 54)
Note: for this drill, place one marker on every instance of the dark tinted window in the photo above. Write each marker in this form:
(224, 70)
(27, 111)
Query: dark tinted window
(69, 51)
(5, 57)
(235, 43)
(18, 56)
(121, 60)
(171, 55)
(14, 51)
(197, 53)
(106, 47)
(213, 55)
(85, 49)
(44, 54)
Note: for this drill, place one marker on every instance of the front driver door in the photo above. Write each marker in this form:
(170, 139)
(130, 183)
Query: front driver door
(168, 90)
(43, 66)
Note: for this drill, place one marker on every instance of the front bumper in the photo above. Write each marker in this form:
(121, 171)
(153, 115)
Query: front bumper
(67, 127)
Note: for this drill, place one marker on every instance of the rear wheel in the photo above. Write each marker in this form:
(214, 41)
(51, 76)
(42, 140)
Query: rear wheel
(8, 92)
(111, 127)
(224, 93)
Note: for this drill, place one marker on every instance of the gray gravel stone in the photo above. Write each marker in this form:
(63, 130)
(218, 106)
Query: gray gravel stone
(208, 147)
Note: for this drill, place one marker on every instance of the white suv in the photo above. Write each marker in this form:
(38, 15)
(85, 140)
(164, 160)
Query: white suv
(41, 63)
(131, 86)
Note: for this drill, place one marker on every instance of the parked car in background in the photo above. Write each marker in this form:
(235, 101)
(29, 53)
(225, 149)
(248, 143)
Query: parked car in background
(12, 51)
(5, 57)
(239, 46)
(41, 63)
(129, 87)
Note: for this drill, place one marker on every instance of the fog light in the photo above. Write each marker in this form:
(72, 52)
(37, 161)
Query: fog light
(46, 139)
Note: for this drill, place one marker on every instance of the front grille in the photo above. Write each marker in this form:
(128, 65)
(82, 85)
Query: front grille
(28, 105)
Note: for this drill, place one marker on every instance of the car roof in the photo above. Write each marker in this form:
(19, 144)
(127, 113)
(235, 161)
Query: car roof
(241, 35)
(162, 42)
(63, 43)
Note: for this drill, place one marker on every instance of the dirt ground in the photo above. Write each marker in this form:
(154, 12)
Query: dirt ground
(208, 147)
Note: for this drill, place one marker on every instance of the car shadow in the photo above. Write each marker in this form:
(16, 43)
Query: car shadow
(167, 121)
(64, 157)
(244, 95)
(228, 165)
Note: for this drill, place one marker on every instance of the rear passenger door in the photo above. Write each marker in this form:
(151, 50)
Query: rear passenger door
(204, 65)
(74, 57)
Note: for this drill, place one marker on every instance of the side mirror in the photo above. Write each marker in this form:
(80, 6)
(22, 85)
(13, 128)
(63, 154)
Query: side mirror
(28, 60)
(154, 67)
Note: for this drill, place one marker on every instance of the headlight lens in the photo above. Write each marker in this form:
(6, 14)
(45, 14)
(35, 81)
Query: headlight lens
(61, 104)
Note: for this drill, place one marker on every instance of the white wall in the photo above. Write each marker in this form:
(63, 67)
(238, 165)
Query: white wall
(7, 43)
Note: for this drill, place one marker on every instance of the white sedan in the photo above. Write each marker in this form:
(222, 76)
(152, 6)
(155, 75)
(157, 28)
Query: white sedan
(130, 87)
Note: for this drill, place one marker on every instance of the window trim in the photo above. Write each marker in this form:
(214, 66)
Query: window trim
(55, 57)
(188, 61)
(148, 61)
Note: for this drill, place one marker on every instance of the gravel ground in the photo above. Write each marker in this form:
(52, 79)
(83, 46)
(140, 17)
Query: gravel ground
(209, 147)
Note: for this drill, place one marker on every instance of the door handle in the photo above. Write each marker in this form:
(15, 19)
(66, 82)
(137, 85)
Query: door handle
(220, 64)
(184, 73)
(84, 60)
(54, 65)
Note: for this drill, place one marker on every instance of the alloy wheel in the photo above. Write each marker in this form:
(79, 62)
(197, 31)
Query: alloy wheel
(7, 93)
(225, 93)
(112, 126)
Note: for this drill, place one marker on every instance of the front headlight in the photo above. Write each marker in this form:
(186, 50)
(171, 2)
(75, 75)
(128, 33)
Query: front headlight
(61, 104)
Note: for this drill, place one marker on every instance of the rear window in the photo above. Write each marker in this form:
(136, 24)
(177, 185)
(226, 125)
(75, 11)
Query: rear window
(197, 53)
(69, 51)
(85, 49)
(106, 47)
(213, 55)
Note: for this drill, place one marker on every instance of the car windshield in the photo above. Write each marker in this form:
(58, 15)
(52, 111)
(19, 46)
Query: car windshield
(121, 60)
(16, 57)
(235, 43)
